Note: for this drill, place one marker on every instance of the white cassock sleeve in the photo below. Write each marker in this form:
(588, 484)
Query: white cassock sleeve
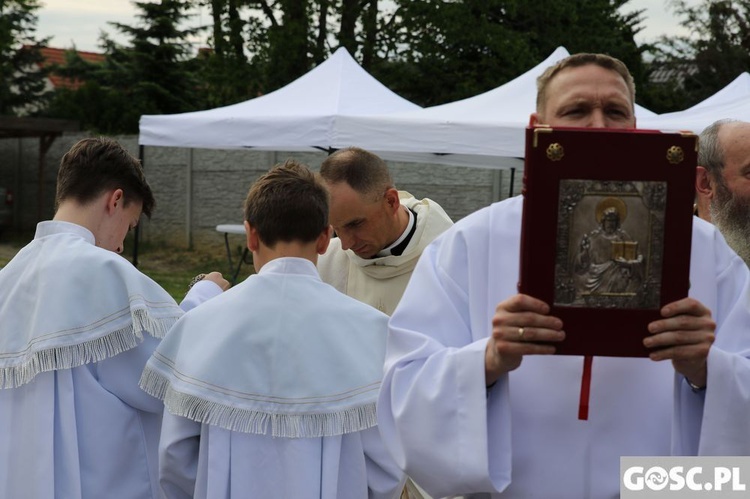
(202, 291)
(179, 448)
(120, 375)
(433, 409)
(384, 479)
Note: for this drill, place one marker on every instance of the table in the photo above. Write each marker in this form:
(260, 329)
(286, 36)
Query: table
(234, 229)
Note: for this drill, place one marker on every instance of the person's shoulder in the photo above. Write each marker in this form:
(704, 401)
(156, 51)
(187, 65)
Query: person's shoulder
(334, 246)
(340, 303)
(118, 264)
(425, 205)
(706, 236)
(71, 254)
(333, 257)
(492, 217)
(708, 240)
(703, 229)
(474, 232)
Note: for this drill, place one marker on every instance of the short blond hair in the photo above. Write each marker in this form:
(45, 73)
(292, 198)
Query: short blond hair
(578, 60)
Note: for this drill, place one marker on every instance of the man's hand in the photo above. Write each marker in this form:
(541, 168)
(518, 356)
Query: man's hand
(218, 279)
(684, 336)
(521, 326)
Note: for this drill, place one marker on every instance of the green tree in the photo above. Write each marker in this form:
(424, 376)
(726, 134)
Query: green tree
(151, 75)
(154, 65)
(439, 51)
(429, 51)
(289, 46)
(22, 80)
(223, 71)
(603, 26)
(714, 54)
(449, 50)
(283, 39)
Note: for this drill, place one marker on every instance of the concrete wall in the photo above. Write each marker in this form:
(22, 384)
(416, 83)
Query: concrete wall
(197, 189)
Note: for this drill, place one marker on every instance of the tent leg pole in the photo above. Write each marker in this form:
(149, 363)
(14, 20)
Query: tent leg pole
(136, 235)
(497, 184)
(189, 207)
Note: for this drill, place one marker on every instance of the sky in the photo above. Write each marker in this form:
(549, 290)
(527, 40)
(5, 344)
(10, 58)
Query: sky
(80, 22)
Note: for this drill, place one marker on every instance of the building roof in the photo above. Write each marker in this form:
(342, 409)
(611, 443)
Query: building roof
(56, 56)
(675, 72)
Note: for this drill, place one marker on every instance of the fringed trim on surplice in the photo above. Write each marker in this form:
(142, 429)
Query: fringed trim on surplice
(94, 350)
(200, 410)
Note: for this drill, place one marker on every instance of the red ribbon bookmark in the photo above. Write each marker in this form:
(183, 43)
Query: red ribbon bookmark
(583, 404)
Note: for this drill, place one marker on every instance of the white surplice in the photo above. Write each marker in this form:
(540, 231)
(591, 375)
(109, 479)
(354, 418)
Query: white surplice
(522, 438)
(270, 391)
(73, 421)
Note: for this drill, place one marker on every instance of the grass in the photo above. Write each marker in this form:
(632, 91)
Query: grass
(172, 268)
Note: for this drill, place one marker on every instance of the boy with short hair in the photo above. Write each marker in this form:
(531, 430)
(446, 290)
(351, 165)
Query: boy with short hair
(270, 389)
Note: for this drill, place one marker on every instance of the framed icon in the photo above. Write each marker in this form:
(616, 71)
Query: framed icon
(606, 231)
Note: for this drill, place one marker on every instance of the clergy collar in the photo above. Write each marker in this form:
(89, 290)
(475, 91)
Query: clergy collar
(400, 244)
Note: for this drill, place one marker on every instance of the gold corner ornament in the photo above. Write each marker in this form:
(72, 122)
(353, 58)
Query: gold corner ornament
(555, 151)
(539, 129)
(675, 155)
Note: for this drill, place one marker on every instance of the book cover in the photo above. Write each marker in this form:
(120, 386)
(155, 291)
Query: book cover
(606, 231)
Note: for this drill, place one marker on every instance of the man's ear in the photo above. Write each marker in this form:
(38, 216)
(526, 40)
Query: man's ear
(391, 197)
(114, 198)
(253, 239)
(321, 244)
(704, 184)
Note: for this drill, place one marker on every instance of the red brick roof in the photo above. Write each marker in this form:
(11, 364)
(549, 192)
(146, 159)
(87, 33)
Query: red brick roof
(57, 56)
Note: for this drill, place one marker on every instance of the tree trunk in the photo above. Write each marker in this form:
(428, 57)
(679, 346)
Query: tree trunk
(349, 14)
(217, 7)
(320, 43)
(370, 28)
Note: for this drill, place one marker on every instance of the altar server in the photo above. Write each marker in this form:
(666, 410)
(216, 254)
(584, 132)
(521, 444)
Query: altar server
(270, 389)
(77, 324)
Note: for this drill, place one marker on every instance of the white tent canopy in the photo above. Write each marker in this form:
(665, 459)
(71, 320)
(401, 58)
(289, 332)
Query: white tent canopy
(731, 102)
(739, 87)
(298, 117)
(491, 124)
(338, 104)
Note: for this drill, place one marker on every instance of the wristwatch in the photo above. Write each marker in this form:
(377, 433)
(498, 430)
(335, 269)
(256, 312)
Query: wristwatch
(200, 277)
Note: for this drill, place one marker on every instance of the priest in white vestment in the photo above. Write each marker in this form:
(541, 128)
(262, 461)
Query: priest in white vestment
(381, 231)
(381, 235)
(270, 389)
(77, 324)
(472, 402)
